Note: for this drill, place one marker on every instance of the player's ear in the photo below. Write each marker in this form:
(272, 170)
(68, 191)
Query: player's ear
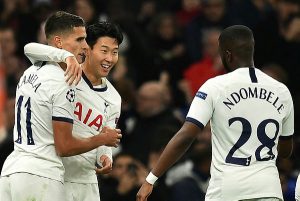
(228, 55)
(57, 41)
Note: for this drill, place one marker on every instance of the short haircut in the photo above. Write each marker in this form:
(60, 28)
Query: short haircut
(238, 39)
(102, 29)
(61, 22)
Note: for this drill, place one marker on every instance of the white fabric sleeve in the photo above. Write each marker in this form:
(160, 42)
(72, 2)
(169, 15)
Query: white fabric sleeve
(202, 106)
(104, 150)
(288, 122)
(36, 52)
(63, 103)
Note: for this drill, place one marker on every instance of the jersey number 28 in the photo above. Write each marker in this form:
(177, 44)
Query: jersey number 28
(266, 141)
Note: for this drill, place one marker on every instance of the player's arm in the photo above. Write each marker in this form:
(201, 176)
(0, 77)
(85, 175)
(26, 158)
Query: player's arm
(285, 146)
(173, 151)
(104, 153)
(68, 145)
(37, 53)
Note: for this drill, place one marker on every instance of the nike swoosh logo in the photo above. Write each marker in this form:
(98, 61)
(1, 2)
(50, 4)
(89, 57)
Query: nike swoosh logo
(79, 89)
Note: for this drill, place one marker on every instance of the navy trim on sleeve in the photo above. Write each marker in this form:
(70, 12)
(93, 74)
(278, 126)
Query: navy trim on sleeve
(252, 75)
(285, 137)
(63, 119)
(194, 121)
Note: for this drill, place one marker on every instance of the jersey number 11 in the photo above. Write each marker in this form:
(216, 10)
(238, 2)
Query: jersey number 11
(27, 106)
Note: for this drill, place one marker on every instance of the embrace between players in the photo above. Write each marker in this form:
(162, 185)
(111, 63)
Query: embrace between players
(61, 131)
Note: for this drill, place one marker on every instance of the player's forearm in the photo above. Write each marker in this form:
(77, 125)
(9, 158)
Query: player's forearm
(40, 52)
(75, 146)
(285, 147)
(173, 151)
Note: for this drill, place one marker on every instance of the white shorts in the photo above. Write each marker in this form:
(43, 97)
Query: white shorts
(297, 190)
(82, 192)
(25, 186)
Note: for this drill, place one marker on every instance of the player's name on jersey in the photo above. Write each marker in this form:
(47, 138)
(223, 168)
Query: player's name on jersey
(253, 92)
(30, 79)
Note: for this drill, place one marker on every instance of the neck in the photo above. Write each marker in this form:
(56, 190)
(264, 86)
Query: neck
(240, 64)
(90, 75)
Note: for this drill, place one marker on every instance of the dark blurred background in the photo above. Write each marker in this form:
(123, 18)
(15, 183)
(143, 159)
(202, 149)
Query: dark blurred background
(170, 50)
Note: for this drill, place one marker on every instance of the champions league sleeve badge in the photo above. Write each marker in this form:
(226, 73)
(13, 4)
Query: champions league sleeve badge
(201, 95)
(70, 96)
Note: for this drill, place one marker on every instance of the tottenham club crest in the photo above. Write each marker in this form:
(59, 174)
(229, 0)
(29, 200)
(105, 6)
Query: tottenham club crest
(71, 95)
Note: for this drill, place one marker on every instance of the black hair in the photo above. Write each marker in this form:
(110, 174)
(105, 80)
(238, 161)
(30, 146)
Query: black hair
(102, 29)
(239, 40)
(61, 21)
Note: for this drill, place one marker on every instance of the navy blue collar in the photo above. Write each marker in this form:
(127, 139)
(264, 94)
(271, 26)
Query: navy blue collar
(252, 74)
(90, 84)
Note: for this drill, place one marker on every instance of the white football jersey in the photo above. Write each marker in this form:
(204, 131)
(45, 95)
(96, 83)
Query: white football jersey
(248, 112)
(42, 96)
(95, 107)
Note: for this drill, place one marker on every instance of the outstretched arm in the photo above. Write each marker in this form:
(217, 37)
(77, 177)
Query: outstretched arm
(37, 53)
(173, 151)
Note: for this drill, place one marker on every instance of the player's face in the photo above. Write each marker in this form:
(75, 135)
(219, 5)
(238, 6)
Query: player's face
(104, 56)
(75, 43)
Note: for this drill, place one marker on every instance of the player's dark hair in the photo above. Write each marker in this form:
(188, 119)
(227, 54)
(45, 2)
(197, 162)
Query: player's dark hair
(102, 29)
(239, 40)
(61, 22)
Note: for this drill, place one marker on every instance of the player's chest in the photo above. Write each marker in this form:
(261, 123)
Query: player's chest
(91, 110)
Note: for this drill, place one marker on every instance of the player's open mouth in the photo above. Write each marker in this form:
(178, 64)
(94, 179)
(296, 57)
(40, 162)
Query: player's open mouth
(83, 57)
(105, 66)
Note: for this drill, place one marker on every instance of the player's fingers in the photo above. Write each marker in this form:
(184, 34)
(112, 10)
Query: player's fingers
(71, 70)
(104, 170)
(119, 136)
(99, 170)
(67, 70)
(118, 130)
(71, 79)
(77, 80)
(78, 76)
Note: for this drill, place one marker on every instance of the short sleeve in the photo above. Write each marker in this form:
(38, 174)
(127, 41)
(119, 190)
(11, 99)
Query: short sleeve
(63, 103)
(113, 118)
(201, 108)
(288, 121)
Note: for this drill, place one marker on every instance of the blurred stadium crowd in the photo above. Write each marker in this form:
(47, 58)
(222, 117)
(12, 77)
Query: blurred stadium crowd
(170, 50)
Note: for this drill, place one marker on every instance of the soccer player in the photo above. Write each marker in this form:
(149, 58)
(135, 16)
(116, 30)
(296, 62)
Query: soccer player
(44, 122)
(98, 104)
(251, 117)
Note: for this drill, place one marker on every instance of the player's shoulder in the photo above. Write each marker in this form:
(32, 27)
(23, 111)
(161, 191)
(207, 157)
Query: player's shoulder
(114, 94)
(268, 80)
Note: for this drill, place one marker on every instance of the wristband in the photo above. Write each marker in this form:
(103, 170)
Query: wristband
(151, 178)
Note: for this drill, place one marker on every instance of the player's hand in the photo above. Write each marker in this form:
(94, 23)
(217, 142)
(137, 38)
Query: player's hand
(111, 137)
(106, 165)
(74, 71)
(144, 192)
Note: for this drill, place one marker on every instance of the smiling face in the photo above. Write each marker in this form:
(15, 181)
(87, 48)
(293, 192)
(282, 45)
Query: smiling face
(103, 56)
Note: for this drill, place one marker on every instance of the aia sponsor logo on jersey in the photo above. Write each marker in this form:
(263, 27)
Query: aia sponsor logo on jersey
(89, 118)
